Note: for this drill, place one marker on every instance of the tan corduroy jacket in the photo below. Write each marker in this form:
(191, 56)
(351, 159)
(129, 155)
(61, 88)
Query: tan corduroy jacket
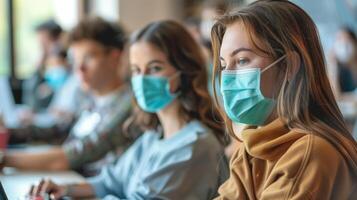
(277, 163)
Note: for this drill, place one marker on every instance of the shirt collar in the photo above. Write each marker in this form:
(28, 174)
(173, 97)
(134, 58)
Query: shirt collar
(269, 142)
(108, 99)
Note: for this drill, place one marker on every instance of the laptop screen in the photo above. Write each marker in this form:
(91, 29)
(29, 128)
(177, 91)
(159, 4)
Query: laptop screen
(7, 103)
(2, 193)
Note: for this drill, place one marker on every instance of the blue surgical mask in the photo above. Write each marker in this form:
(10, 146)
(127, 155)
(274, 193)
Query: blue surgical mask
(242, 98)
(56, 76)
(152, 92)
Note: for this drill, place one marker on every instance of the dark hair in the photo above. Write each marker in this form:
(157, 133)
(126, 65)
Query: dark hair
(350, 33)
(306, 102)
(185, 55)
(51, 27)
(59, 51)
(100, 31)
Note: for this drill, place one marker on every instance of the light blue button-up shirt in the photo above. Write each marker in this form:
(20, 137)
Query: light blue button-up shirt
(188, 165)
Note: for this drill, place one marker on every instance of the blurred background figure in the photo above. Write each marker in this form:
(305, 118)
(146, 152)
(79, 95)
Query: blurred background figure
(37, 92)
(96, 135)
(46, 86)
(343, 74)
(345, 57)
(211, 10)
(56, 69)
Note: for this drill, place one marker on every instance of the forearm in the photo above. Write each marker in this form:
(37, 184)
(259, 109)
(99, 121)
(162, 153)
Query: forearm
(20, 135)
(33, 133)
(53, 159)
(81, 190)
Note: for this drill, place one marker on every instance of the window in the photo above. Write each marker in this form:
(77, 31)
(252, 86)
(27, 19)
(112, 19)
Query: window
(4, 50)
(28, 14)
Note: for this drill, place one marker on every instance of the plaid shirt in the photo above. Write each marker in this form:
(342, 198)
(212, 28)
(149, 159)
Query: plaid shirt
(98, 131)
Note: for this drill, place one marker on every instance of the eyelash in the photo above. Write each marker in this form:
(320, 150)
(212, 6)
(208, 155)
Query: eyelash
(237, 63)
(222, 67)
(242, 59)
(154, 69)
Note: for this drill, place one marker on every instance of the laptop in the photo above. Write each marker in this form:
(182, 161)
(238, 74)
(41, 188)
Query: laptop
(2, 193)
(7, 103)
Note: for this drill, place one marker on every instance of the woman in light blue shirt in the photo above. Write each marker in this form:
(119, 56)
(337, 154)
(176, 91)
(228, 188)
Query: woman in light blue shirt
(180, 154)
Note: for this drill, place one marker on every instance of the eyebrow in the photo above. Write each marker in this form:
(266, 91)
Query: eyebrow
(154, 61)
(239, 50)
(236, 51)
(148, 64)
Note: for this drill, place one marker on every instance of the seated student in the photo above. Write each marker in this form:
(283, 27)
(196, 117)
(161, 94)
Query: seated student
(56, 69)
(345, 55)
(55, 75)
(179, 156)
(63, 109)
(97, 47)
(49, 37)
(273, 79)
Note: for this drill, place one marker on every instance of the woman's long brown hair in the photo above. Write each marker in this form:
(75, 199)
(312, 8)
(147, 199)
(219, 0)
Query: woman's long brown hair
(305, 102)
(185, 55)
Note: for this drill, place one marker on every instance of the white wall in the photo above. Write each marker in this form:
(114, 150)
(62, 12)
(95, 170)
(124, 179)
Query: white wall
(107, 9)
(66, 13)
(135, 14)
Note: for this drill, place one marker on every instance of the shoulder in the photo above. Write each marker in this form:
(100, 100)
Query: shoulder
(148, 138)
(310, 154)
(142, 144)
(194, 142)
(203, 137)
(123, 98)
(202, 144)
(316, 149)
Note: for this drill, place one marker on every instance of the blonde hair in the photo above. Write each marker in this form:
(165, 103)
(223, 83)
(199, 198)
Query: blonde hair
(305, 102)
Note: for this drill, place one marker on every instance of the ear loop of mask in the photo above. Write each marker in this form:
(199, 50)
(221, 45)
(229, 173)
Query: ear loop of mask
(169, 80)
(272, 65)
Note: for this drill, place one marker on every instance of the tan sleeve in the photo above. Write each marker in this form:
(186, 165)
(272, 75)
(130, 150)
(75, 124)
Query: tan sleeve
(232, 188)
(311, 169)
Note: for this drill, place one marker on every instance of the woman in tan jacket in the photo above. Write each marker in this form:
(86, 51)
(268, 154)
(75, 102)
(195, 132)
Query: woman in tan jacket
(272, 73)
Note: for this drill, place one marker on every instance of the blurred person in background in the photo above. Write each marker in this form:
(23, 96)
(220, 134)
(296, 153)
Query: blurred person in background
(96, 134)
(342, 66)
(56, 69)
(192, 25)
(211, 10)
(49, 37)
(345, 59)
(55, 74)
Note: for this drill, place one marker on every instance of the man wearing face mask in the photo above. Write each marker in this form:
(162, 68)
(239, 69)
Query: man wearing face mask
(97, 133)
(49, 35)
(56, 72)
(346, 60)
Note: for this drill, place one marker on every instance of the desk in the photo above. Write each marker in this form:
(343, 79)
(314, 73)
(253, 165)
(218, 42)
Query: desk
(17, 183)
